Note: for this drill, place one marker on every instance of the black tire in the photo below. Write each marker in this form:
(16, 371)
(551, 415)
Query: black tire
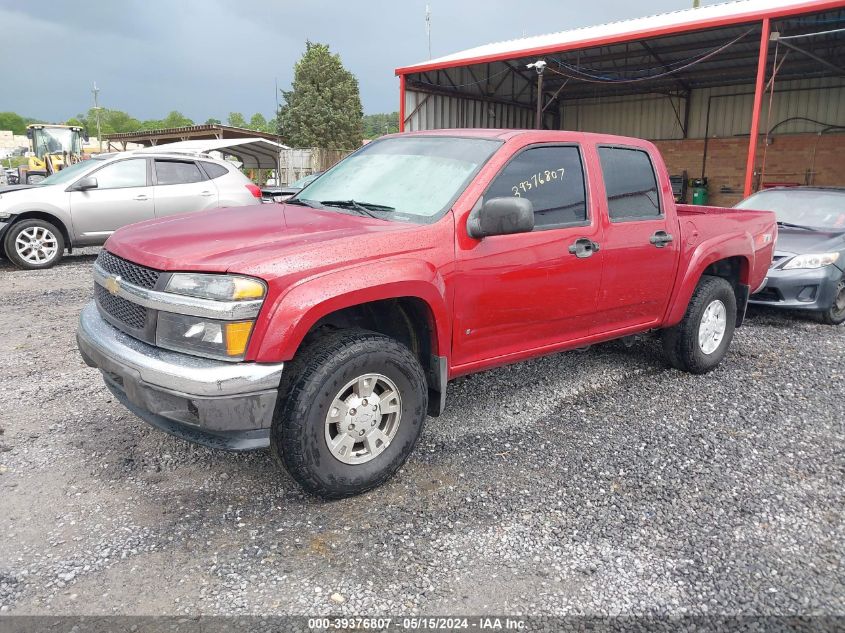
(18, 228)
(836, 313)
(680, 343)
(316, 376)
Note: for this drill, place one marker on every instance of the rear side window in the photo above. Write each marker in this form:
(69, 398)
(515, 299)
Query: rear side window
(214, 170)
(552, 178)
(176, 172)
(630, 183)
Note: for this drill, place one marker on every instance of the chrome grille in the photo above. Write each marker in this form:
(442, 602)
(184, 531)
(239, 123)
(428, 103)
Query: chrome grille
(133, 273)
(130, 314)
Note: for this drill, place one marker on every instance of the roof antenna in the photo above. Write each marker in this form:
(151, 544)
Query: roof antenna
(428, 27)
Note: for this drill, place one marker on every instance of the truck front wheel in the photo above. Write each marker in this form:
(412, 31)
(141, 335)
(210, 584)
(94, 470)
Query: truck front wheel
(350, 413)
(700, 341)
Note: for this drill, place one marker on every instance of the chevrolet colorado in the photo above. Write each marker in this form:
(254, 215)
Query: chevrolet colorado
(327, 327)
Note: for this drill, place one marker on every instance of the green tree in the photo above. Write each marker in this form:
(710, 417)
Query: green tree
(176, 119)
(258, 123)
(323, 108)
(213, 122)
(236, 119)
(76, 121)
(12, 121)
(376, 125)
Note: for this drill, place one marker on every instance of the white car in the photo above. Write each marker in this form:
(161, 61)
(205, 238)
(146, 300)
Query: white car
(84, 203)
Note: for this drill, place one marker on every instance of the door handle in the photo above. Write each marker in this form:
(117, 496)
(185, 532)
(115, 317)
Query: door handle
(206, 194)
(660, 239)
(141, 198)
(583, 247)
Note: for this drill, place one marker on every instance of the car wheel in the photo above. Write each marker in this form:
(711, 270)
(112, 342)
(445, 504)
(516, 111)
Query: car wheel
(836, 313)
(701, 340)
(34, 244)
(350, 413)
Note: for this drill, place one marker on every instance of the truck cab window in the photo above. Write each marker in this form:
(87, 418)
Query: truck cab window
(630, 184)
(552, 178)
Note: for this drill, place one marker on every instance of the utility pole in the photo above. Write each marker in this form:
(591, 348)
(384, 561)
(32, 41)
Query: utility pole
(428, 27)
(539, 66)
(96, 92)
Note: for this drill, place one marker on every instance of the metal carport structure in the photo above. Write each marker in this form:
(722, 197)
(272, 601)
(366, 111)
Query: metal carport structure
(677, 63)
(254, 153)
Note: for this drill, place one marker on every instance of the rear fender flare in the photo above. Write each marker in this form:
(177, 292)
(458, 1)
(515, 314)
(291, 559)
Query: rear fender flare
(297, 310)
(707, 252)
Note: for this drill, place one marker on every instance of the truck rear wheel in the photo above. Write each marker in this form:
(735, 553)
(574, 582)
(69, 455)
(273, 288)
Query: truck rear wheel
(350, 413)
(700, 341)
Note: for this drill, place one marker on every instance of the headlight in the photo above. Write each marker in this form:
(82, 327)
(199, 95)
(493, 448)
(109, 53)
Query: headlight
(220, 287)
(811, 260)
(203, 337)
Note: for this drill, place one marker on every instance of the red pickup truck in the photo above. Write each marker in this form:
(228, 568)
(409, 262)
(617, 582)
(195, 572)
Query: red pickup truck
(327, 327)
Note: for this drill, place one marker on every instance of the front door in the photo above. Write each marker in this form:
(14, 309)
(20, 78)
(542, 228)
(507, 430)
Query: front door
(515, 293)
(640, 245)
(122, 196)
(181, 187)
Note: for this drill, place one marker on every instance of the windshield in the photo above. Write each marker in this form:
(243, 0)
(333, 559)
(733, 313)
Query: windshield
(56, 141)
(305, 180)
(817, 208)
(70, 173)
(418, 176)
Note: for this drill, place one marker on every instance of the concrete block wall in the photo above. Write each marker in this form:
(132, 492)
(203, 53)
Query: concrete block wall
(12, 141)
(792, 158)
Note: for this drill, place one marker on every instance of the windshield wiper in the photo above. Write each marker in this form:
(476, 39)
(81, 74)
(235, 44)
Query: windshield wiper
(790, 225)
(303, 202)
(363, 207)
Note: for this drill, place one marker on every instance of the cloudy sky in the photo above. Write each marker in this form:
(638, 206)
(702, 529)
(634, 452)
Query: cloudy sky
(207, 58)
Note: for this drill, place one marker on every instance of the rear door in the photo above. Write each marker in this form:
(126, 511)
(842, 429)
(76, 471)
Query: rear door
(515, 293)
(124, 195)
(640, 242)
(181, 187)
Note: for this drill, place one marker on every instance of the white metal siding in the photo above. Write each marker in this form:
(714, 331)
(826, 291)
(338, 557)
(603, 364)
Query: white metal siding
(652, 117)
(441, 111)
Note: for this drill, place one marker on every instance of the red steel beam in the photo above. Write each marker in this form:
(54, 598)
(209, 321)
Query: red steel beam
(401, 103)
(755, 115)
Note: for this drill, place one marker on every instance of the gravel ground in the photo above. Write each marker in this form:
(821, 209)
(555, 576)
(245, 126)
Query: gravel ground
(583, 483)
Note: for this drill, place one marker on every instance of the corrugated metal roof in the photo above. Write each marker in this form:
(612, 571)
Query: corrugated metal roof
(723, 14)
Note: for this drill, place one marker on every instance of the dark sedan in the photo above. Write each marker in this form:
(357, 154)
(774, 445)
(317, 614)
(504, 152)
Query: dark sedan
(279, 194)
(807, 268)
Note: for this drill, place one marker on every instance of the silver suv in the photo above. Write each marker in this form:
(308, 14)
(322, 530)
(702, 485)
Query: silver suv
(85, 203)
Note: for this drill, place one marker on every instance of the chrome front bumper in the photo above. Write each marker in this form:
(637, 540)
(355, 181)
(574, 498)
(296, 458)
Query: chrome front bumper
(210, 402)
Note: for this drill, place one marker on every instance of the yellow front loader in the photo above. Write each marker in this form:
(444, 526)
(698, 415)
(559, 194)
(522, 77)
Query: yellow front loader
(52, 147)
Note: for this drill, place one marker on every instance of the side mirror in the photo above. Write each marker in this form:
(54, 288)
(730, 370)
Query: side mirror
(29, 133)
(86, 183)
(501, 216)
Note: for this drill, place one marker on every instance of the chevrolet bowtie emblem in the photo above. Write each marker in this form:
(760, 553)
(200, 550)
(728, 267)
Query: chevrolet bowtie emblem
(112, 284)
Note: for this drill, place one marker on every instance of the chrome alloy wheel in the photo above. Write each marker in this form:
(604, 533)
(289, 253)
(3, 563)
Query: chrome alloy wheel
(363, 419)
(36, 245)
(711, 330)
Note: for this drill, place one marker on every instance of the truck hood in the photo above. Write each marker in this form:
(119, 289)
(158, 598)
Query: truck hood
(267, 240)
